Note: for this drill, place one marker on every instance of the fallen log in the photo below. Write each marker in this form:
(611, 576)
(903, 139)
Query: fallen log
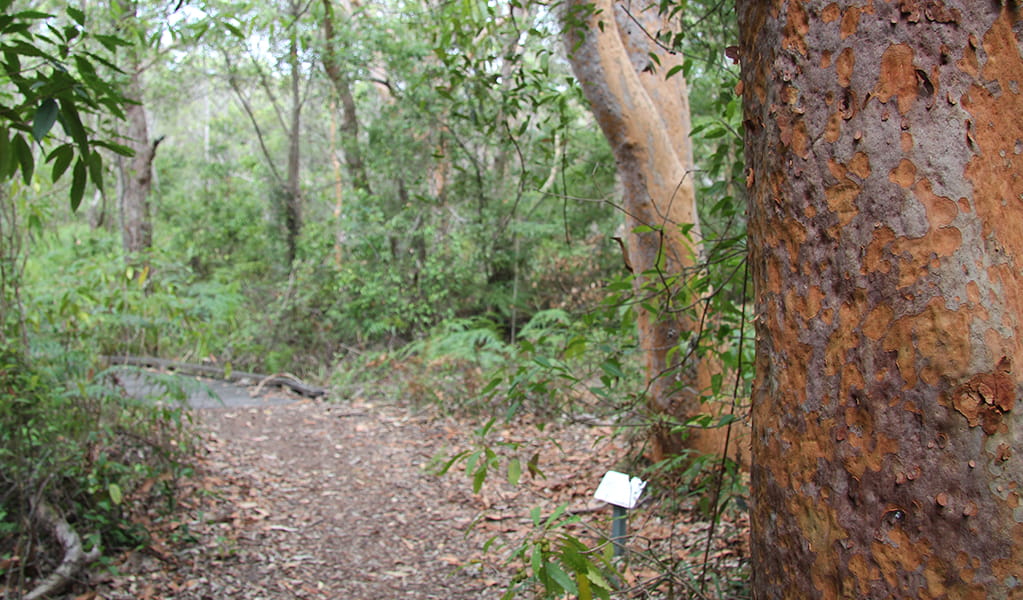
(74, 557)
(277, 379)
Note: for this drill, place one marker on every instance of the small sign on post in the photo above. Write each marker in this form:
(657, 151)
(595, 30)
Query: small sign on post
(622, 493)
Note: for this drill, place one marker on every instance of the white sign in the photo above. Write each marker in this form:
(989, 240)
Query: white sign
(619, 489)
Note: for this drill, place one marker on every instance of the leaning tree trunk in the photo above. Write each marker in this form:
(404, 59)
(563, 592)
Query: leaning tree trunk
(645, 118)
(885, 179)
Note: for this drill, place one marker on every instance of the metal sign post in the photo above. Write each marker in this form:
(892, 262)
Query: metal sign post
(622, 493)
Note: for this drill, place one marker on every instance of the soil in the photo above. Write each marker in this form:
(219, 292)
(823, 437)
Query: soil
(296, 498)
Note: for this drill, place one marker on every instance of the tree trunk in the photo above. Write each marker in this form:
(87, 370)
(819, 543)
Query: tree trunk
(645, 118)
(884, 145)
(292, 190)
(137, 171)
(349, 118)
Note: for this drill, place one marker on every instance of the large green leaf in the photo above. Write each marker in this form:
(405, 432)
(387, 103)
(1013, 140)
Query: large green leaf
(61, 157)
(46, 116)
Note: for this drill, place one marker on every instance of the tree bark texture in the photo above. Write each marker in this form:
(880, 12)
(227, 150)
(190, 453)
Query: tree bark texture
(645, 118)
(884, 145)
(137, 171)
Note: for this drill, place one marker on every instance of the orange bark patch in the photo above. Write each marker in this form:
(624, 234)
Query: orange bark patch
(833, 130)
(898, 554)
(796, 28)
(973, 292)
(906, 142)
(938, 334)
(850, 22)
(831, 13)
(946, 241)
(860, 165)
(801, 140)
(898, 77)
(941, 211)
(844, 67)
(874, 260)
(836, 169)
(876, 323)
(904, 175)
(841, 200)
(986, 397)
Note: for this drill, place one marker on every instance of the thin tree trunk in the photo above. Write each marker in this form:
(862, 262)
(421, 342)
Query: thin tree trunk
(883, 143)
(349, 117)
(292, 191)
(137, 171)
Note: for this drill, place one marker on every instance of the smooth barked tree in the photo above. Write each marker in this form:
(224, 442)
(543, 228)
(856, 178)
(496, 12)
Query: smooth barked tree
(885, 174)
(639, 97)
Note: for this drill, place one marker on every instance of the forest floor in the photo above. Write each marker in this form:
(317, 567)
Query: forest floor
(295, 498)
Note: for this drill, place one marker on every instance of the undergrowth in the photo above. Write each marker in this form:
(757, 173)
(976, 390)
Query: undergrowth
(80, 445)
(562, 368)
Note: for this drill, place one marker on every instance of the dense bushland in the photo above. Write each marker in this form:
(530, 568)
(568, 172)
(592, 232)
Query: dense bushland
(456, 241)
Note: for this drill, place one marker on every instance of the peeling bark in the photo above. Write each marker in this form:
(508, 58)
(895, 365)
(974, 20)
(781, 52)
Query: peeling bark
(645, 118)
(886, 232)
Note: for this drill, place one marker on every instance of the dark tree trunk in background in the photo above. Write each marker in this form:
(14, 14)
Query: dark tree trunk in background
(885, 177)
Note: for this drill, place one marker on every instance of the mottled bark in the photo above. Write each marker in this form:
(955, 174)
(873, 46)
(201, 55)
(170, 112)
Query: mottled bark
(645, 118)
(886, 229)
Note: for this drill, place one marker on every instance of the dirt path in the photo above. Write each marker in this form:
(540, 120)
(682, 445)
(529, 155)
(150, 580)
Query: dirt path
(310, 499)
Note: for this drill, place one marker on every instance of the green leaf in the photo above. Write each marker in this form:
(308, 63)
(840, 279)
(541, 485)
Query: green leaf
(594, 576)
(534, 513)
(562, 578)
(115, 148)
(85, 68)
(61, 157)
(673, 71)
(31, 14)
(72, 124)
(584, 587)
(514, 471)
(478, 478)
(25, 158)
(110, 42)
(78, 178)
(46, 116)
(96, 169)
(115, 493)
(76, 14)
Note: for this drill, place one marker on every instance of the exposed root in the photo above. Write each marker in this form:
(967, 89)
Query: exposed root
(74, 557)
